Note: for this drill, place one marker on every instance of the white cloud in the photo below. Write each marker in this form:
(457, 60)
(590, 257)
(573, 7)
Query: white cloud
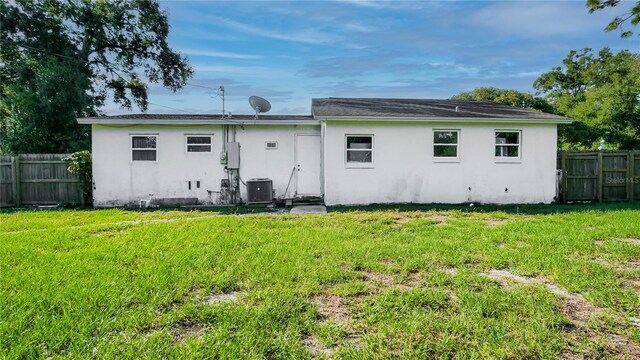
(386, 4)
(308, 36)
(219, 54)
(540, 18)
(256, 71)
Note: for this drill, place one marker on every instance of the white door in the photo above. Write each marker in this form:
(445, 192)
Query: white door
(307, 158)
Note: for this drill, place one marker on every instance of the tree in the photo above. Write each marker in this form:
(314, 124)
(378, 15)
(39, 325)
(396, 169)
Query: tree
(507, 97)
(601, 93)
(617, 23)
(60, 60)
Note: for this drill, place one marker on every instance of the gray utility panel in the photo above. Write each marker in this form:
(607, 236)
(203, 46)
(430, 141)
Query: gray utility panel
(233, 155)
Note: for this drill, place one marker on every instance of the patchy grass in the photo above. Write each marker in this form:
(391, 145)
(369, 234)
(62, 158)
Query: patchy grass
(410, 282)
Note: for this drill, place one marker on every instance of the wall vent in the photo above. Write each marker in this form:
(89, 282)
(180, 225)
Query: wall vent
(271, 145)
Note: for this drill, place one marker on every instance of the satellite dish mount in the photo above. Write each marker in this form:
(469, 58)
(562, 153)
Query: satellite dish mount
(259, 104)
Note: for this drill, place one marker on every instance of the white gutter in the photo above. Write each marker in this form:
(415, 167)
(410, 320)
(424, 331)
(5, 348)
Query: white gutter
(226, 121)
(316, 121)
(449, 119)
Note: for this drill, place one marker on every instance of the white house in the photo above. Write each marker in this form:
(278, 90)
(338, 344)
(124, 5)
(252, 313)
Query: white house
(349, 151)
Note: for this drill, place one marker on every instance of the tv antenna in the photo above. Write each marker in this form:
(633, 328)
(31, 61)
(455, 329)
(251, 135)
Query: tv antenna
(259, 104)
(221, 94)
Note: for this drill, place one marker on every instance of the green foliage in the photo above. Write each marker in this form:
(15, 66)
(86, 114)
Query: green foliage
(601, 92)
(633, 16)
(60, 60)
(506, 97)
(80, 163)
(126, 284)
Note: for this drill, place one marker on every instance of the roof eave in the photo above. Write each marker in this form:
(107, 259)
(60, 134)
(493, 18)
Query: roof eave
(226, 121)
(449, 119)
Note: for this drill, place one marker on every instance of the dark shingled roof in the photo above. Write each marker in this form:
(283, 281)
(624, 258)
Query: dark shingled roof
(206, 117)
(423, 108)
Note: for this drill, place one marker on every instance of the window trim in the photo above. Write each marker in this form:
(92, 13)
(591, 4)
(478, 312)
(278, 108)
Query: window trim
(508, 159)
(186, 144)
(445, 158)
(131, 148)
(357, 165)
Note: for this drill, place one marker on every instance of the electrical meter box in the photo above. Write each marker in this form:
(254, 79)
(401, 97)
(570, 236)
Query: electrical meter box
(233, 155)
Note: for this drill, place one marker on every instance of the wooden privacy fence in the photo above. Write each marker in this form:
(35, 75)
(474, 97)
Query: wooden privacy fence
(37, 179)
(600, 175)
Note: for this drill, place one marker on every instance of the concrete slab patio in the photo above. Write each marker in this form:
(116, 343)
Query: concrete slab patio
(308, 209)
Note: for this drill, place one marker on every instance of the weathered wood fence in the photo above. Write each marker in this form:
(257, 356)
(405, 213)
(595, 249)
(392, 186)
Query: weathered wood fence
(37, 179)
(600, 175)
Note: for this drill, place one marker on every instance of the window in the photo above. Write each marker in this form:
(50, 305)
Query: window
(199, 143)
(271, 145)
(507, 144)
(359, 149)
(144, 148)
(445, 143)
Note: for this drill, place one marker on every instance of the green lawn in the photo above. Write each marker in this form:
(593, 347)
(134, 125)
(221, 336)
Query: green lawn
(408, 282)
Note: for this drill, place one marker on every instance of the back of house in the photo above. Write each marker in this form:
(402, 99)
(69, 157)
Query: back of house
(348, 151)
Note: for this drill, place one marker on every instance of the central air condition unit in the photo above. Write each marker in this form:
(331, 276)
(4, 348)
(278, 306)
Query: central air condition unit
(259, 191)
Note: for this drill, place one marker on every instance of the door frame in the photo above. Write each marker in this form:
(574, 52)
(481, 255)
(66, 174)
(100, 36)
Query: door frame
(320, 163)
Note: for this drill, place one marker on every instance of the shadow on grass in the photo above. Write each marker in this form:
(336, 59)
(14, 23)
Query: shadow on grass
(531, 209)
(223, 210)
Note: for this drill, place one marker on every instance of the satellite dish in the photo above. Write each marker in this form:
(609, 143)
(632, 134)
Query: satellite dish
(259, 104)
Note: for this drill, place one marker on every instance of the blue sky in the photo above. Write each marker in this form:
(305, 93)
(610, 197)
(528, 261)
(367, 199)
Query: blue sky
(289, 52)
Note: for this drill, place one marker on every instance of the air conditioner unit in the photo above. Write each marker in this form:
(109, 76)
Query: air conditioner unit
(259, 191)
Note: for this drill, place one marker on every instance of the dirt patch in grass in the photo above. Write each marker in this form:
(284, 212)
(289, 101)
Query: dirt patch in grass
(106, 233)
(632, 284)
(411, 281)
(451, 271)
(380, 278)
(379, 281)
(439, 219)
(231, 297)
(632, 265)
(316, 348)
(632, 241)
(579, 311)
(495, 222)
(184, 332)
(405, 217)
(332, 307)
(502, 275)
(389, 263)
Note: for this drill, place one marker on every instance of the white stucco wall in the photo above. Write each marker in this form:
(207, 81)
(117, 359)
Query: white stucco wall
(404, 170)
(120, 182)
(277, 165)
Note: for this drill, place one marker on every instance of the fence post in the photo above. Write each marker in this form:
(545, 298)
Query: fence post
(631, 164)
(563, 184)
(600, 176)
(16, 178)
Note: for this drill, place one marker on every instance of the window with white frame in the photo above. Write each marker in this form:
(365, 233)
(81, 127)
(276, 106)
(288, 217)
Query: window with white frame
(507, 144)
(144, 147)
(359, 149)
(445, 143)
(199, 143)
